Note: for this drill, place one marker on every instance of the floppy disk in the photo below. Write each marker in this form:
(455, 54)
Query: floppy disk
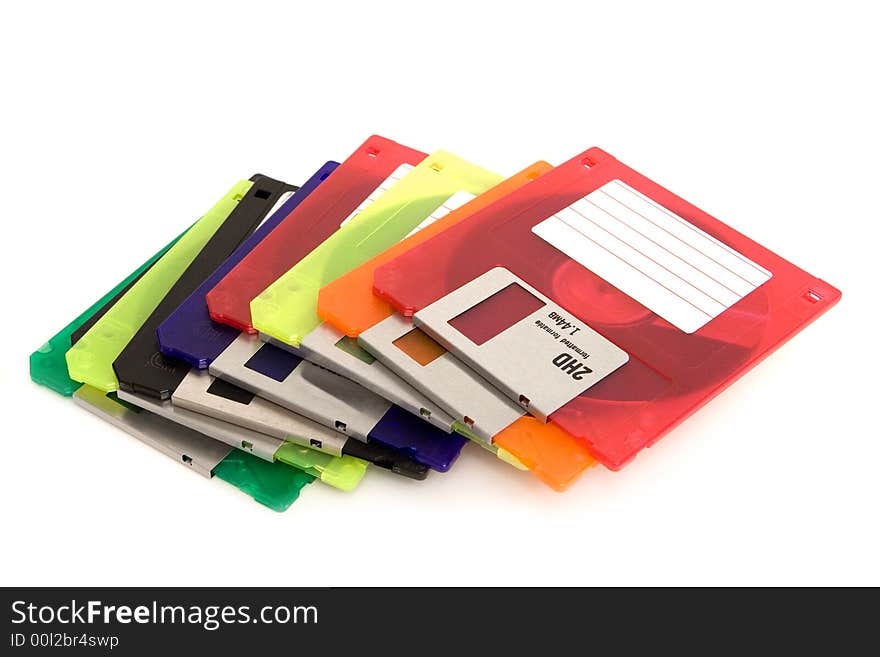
(274, 486)
(185, 432)
(140, 367)
(342, 472)
(348, 303)
(189, 333)
(297, 440)
(239, 411)
(90, 360)
(598, 299)
(287, 309)
(393, 438)
(322, 343)
(375, 164)
(146, 377)
(417, 200)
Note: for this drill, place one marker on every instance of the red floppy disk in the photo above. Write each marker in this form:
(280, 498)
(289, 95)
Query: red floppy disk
(373, 167)
(599, 285)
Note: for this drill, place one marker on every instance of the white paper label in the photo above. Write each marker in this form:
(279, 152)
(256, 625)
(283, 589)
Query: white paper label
(659, 259)
(383, 187)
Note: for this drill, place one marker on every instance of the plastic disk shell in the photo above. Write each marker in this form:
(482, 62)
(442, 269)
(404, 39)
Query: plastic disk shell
(240, 419)
(91, 359)
(189, 333)
(287, 309)
(672, 371)
(141, 367)
(191, 330)
(552, 455)
(306, 227)
(273, 484)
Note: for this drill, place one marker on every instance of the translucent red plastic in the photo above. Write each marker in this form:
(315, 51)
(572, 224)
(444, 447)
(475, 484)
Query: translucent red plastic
(315, 219)
(670, 373)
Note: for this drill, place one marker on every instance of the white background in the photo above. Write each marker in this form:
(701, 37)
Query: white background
(121, 125)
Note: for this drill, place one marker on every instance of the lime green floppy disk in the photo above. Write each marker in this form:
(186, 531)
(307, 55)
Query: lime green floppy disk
(272, 484)
(90, 360)
(287, 309)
